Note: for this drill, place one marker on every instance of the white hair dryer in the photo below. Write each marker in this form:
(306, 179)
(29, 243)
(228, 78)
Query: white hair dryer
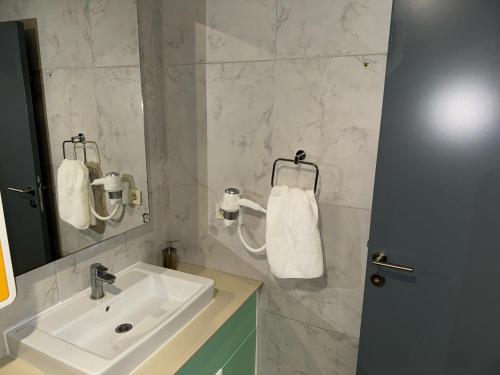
(230, 211)
(113, 186)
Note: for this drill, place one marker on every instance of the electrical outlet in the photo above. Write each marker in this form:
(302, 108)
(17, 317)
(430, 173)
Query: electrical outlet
(135, 197)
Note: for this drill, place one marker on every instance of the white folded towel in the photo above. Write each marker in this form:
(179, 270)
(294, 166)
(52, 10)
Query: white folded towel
(74, 194)
(292, 235)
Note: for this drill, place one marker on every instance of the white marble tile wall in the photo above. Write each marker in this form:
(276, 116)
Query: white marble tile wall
(91, 84)
(48, 285)
(113, 25)
(331, 28)
(247, 82)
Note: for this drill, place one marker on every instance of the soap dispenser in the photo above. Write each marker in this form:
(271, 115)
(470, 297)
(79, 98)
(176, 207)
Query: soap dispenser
(170, 256)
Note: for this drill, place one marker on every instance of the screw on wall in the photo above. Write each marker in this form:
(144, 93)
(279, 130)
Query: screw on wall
(366, 63)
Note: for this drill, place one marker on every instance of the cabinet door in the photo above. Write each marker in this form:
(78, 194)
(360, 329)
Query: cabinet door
(243, 361)
(220, 348)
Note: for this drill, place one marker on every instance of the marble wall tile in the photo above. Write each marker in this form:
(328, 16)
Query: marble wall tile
(183, 31)
(185, 103)
(240, 30)
(182, 217)
(144, 243)
(70, 238)
(240, 103)
(238, 261)
(120, 120)
(219, 30)
(115, 40)
(333, 301)
(73, 273)
(63, 31)
(70, 107)
(298, 348)
(214, 254)
(331, 107)
(36, 291)
(9, 10)
(325, 27)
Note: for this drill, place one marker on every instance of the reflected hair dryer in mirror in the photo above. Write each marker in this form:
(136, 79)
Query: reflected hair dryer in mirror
(113, 187)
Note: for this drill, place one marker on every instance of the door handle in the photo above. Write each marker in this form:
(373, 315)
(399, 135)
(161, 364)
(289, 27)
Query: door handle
(22, 191)
(379, 259)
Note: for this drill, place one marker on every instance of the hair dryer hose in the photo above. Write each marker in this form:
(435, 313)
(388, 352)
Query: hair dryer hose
(259, 250)
(104, 218)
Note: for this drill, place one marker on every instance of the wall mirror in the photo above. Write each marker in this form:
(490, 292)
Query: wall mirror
(79, 62)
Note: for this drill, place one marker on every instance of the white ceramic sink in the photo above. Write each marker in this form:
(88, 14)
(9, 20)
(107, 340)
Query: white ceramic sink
(79, 336)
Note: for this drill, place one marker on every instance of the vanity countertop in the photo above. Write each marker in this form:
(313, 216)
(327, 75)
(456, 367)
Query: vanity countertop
(231, 292)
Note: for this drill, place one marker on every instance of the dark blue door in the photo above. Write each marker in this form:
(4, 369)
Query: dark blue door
(436, 205)
(21, 180)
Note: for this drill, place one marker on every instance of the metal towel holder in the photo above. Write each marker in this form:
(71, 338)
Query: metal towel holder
(299, 158)
(80, 139)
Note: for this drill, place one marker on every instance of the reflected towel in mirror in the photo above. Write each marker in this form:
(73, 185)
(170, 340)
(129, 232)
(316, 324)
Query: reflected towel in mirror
(74, 194)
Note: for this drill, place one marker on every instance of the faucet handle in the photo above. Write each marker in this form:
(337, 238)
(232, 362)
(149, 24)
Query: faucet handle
(98, 267)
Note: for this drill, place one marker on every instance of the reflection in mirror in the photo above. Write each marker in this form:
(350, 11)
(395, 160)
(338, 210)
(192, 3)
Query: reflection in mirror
(74, 168)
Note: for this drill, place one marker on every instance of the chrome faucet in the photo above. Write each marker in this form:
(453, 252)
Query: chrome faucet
(99, 276)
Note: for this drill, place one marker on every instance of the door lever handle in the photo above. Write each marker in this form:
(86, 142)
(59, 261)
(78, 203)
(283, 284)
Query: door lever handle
(379, 259)
(22, 191)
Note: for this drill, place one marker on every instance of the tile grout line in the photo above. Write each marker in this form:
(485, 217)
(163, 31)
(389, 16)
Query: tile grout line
(278, 59)
(313, 325)
(51, 68)
(319, 202)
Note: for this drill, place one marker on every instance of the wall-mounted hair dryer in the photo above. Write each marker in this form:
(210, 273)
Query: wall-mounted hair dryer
(113, 187)
(230, 208)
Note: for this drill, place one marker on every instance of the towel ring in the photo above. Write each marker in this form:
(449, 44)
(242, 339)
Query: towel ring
(299, 158)
(80, 139)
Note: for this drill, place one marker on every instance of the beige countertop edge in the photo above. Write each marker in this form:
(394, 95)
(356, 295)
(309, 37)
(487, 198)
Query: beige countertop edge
(231, 291)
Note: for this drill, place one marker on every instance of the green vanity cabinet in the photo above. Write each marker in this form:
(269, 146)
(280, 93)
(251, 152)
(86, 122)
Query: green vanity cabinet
(232, 348)
(243, 360)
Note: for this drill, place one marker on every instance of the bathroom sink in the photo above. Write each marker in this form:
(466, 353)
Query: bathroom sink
(146, 306)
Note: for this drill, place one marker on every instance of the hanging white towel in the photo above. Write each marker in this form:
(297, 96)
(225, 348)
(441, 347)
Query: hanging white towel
(292, 235)
(73, 193)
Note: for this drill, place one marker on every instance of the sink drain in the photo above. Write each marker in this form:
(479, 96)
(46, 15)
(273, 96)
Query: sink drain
(122, 328)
